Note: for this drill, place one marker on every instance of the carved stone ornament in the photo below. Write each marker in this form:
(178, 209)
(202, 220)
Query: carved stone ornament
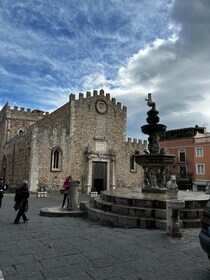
(101, 107)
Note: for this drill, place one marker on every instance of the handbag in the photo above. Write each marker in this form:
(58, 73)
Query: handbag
(66, 192)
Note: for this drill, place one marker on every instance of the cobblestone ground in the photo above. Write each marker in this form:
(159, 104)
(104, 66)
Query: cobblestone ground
(78, 249)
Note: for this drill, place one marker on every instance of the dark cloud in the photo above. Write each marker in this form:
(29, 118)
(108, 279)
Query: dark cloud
(176, 70)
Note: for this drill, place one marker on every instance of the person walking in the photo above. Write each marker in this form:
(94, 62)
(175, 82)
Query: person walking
(21, 202)
(67, 188)
(2, 188)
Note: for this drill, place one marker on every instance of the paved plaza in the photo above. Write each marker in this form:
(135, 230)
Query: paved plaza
(69, 248)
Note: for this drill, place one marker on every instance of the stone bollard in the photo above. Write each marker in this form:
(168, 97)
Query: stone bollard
(173, 207)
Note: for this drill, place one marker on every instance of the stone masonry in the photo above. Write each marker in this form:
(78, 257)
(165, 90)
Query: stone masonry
(86, 138)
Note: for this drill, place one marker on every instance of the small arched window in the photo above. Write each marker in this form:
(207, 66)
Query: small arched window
(20, 131)
(56, 159)
(133, 165)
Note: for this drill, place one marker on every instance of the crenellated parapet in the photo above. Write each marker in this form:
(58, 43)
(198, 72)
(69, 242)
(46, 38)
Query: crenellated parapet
(26, 112)
(136, 144)
(96, 93)
(15, 121)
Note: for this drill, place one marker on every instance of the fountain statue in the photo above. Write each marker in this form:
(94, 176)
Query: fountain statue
(155, 160)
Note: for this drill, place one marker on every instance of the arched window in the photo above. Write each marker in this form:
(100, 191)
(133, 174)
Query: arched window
(133, 166)
(20, 131)
(56, 159)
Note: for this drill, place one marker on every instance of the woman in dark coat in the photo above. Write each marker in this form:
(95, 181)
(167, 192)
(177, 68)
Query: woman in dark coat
(2, 189)
(21, 202)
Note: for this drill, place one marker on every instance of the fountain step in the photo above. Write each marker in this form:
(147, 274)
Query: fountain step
(145, 211)
(191, 223)
(129, 210)
(136, 202)
(191, 213)
(132, 208)
(134, 197)
(117, 220)
(194, 204)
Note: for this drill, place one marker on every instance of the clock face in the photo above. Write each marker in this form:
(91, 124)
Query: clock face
(101, 107)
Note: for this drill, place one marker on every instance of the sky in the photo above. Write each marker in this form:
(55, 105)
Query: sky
(52, 48)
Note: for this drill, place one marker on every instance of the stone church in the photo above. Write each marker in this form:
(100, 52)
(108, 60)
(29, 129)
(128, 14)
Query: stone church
(85, 138)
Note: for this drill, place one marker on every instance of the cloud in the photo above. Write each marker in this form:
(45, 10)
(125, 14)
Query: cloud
(176, 70)
(51, 48)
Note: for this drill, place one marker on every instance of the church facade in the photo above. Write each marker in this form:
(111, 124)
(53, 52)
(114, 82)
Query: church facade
(85, 138)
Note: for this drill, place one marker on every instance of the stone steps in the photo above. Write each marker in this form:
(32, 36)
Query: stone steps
(105, 217)
(144, 212)
(191, 223)
(146, 202)
(127, 210)
(112, 219)
(191, 213)
(195, 204)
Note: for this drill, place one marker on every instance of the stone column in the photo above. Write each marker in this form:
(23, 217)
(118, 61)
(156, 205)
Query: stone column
(34, 162)
(112, 173)
(88, 182)
(73, 199)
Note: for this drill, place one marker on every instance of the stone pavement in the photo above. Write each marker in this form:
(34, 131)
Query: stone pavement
(68, 248)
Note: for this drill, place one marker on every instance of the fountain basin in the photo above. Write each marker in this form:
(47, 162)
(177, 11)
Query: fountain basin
(156, 160)
(153, 129)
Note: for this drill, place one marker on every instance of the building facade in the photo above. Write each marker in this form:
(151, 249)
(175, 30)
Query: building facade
(191, 146)
(86, 138)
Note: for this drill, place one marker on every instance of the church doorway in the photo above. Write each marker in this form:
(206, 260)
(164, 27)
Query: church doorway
(99, 179)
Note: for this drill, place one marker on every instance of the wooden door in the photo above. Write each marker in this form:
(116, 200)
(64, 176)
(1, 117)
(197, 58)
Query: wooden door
(99, 179)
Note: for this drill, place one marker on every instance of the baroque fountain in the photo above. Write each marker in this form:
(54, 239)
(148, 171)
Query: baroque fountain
(155, 160)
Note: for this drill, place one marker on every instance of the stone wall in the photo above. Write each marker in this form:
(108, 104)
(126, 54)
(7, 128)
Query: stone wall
(20, 119)
(3, 130)
(89, 128)
(95, 123)
(43, 143)
(17, 153)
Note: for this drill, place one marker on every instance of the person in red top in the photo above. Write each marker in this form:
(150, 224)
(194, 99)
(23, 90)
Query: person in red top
(67, 188)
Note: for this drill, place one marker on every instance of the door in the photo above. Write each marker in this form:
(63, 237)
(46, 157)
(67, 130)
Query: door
(99, 179)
